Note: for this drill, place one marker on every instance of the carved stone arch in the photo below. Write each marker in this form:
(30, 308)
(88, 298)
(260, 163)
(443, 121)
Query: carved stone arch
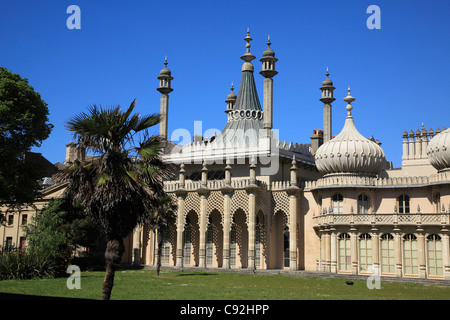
(191, 202)
(239, 200)
(278, 201)
(215, 202)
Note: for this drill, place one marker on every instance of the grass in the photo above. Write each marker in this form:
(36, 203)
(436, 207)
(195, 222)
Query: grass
(176, 285)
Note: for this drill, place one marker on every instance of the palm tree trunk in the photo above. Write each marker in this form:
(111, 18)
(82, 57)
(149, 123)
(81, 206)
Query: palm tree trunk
(158, 262)
(113, 255)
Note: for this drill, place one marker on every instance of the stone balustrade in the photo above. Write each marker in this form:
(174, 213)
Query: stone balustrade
(172, 186)
(379, 219)
(358, 181)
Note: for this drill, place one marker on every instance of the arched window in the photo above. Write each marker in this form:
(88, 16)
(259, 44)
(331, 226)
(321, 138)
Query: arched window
(434, 246)
(338, 201)
(233, 246)
(165, 254)
(410, 254)
(209, 245)
(345, 259)
(187, 245)
(363, 203)
(437, 202)
(257, 246)
(365, 252)
(387, 253)
(286, 247)
(403, 203)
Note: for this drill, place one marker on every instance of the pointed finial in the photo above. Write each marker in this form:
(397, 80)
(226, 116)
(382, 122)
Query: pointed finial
(327, 74)
(349, 99)
(268, 41)
(165, 61)
(247, 57)
(232, 88)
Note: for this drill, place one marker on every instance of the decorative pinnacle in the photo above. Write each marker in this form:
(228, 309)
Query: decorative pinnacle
(247, 57)
(268, 41)
(165, 61)
(349, 99)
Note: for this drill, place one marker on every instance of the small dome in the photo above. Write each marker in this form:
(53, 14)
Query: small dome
(165, 72)
(350, 153)
(439, 151)
(231, 96)
(268, 53)
(327, 82)
(247, 66)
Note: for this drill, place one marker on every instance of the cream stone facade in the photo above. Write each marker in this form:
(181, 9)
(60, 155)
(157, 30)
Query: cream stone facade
(248, 200)
(331, 205)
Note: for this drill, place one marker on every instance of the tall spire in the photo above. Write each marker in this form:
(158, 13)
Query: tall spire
(268, 72)
(327, 98)
(165, 78)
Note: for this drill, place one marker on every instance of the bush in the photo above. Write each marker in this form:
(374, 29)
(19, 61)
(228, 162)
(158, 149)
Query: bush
(27, 265)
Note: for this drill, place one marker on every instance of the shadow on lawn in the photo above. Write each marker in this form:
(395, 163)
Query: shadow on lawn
(197, 274)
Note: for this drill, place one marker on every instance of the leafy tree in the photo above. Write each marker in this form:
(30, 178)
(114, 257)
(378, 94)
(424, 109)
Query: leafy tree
(123, 182)
(161, 219)
(59, 229)
(23, 125)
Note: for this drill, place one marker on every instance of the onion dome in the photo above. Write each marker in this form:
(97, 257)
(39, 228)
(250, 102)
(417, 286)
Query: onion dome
(268, 52)
(438, 151)
(350, 153)
(327, 82)
(165, 71)
(231, 95)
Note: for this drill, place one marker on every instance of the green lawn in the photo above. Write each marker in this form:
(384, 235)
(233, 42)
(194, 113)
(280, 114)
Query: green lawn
(175, 285)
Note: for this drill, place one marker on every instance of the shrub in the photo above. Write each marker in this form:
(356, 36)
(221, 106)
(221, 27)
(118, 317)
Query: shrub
(22, 264)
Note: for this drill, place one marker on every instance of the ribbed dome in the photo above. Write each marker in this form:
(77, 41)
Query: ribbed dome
(165, 72)
(439, 151)
(350, 153)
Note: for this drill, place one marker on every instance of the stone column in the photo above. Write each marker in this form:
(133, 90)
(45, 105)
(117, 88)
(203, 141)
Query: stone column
(323, 255)
(421, 253)
(398, 252)
(333, 250)
(293, 204)
(251, 229)
(226, 228)
(375, 250)
(202, 228)
(445, 252)
(180, 227)
(354, 249)
(327, 239)
(137, 246)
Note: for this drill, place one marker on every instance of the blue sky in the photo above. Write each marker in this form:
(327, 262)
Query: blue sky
(398, 74)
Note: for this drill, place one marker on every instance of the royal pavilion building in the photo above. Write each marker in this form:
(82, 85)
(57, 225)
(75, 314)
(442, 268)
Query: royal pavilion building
(246, 200)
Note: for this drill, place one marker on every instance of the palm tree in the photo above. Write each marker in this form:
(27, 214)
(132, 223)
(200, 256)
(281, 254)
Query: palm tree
(161, 218)
(123, 182)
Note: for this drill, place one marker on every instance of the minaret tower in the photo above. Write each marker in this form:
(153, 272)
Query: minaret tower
(327, 98)
(165, 88)
(268, 72)
(231, 100)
